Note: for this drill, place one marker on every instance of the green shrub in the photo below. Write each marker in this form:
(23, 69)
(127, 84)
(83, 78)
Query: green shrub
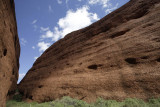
(70, 102)
(154, 102)
(14, 103)
(107, 103)
(17, 97)
(134, 103)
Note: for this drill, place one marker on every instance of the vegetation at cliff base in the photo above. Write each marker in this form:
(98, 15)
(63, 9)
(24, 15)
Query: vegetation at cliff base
(70, 102)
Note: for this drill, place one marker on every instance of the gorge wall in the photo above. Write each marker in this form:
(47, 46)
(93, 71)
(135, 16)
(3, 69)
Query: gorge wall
(114, 58)
(9, 50)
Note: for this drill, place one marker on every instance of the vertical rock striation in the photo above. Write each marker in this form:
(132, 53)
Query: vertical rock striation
(9, 50)
(114, 58)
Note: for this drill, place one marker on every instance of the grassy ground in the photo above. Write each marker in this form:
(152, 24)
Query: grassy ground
(69, 102)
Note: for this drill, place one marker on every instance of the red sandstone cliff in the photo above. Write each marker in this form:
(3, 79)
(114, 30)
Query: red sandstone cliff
(114, 58)
(9, 50)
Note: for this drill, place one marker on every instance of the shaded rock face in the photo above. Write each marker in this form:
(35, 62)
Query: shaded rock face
(114, 58)
(9, 50)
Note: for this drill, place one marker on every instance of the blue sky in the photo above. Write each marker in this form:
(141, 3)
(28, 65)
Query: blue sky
(42, 22)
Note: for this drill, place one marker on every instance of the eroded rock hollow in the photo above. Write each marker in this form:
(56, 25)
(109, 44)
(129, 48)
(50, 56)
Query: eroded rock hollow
(9, 50)
(114, 58)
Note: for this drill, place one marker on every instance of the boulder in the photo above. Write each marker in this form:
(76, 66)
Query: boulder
(114, 58)
(9, 50)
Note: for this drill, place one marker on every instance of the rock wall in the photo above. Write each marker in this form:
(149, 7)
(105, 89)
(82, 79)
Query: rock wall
(9, 50)
(114, 58)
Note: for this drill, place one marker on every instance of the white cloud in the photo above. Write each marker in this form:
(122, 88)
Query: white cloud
(23, 41)
(48, 34)
(34, 21)
(34, 24)
(59, 1)
(73, 20)
(104, 3)
(67, 3)
(21, 75)
(33, 47)
(50, 8)
(35, 57)
(109, 10)
(43, 46)
(55, 35)
(44, 29)
(35, 27)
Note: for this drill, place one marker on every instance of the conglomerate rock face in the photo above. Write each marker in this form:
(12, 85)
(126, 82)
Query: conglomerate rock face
(9, 50)
(114, 58)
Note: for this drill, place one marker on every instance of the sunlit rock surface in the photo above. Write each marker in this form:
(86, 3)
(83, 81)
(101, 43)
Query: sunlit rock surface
(9, 50)
(114, 58)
